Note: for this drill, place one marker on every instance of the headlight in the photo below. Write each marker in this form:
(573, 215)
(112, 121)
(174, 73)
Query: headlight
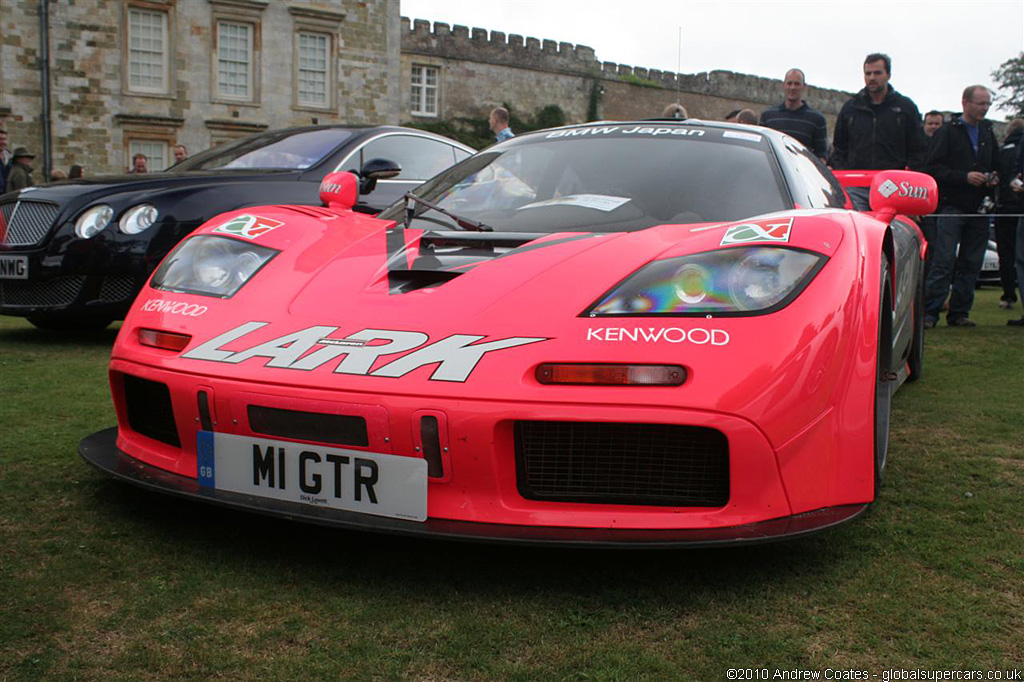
(733, 281)
(210, 266)
(93, 220)
(138, 218)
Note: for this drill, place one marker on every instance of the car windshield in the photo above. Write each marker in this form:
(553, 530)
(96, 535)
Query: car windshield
(292, 150)
(608, 178)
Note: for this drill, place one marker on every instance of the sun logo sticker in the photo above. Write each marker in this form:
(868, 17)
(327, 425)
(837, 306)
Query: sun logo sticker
(759, 231)
(248, 226)
(887, 188)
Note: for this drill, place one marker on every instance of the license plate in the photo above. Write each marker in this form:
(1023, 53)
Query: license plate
(338, 478)
(13, 267)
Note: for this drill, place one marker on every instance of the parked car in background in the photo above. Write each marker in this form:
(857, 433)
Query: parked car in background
(631, 334)
(74, 254)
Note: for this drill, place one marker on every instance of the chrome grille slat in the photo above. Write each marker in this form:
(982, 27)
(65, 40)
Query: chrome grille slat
(28, 222)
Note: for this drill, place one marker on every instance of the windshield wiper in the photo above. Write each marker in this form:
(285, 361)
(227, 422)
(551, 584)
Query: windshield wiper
(464, 223)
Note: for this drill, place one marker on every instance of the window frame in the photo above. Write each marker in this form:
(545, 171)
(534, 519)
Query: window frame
(169, 69)
(153, 141)
(328, 104)
(227, 11)
(417, 105)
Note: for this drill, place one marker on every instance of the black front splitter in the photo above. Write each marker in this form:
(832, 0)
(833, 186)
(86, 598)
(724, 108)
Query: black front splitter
(100, 450)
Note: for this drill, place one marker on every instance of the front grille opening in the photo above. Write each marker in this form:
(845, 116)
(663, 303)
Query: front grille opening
(322, 428)
(60, 291)
(618, 463)
(149, 409)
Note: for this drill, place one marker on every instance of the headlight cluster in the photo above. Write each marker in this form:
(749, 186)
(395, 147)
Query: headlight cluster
(210, 266)
(136, 219)
(733, 281)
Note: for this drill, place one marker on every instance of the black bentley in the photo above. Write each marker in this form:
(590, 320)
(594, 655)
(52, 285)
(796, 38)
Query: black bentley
(75, 253)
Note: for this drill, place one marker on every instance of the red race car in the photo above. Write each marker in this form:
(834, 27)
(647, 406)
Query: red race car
(628, 334)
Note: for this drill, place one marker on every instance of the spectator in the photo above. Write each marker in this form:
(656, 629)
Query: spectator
(676, 110)
(76, 171)
(499, 124)
(20, 175)
(57, 174)
(933, 120)
(139, 164)
(1017, 185)
(747, 116)
(731, 116)
(180, 153)
(5, 160)
(794, 116)
(877, 128)
(962, 160)
(1008, 202)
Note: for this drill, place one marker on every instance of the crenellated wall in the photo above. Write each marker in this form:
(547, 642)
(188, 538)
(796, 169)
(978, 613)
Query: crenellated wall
(480, 69)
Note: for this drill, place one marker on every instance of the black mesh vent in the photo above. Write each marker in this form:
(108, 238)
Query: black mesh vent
(60, 291)
(149, 409)
(611, 463)
(322, 428)
(28, 222)
(116, 289)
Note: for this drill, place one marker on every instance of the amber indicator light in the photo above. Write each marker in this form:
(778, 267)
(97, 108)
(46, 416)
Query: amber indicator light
(165, 340)
(611, 374)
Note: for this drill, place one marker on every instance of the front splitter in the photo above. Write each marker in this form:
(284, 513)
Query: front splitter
(100, 450)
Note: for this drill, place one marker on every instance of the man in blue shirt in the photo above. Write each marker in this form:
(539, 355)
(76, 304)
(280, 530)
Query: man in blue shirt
(794, 117)
(499, 124)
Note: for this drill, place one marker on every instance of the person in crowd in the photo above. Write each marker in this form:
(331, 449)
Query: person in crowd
(180, 153)
(20, 175)
(1012, 203)
(57, 174)
(878, 128)
(499, 119)
(5, 161)
(933, 120)
(731, 116)
(796, 118)
(1017, 185)
(963, 159)
(139, 164)
(675, 110)
(76, 171)
(747, 116)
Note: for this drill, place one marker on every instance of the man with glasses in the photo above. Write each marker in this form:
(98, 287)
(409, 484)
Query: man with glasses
(963, 159)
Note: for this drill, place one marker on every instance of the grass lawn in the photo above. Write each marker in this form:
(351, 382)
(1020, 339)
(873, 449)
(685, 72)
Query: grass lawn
(101, 580)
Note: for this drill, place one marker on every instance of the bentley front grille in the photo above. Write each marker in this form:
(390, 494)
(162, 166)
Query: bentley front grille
(60, 291)
(27, 222)
(116, 289)
(613, 463)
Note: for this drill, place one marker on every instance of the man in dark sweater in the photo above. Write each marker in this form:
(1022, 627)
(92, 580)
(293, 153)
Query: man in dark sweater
(963, 159)
(877, 129)
(794, 117)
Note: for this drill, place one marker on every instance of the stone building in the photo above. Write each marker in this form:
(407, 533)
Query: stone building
(129, 76)
(139, 76)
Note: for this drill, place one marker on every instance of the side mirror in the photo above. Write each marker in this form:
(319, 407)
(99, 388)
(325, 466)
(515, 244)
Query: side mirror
(339, 191)
(374, 170)
(896, 192)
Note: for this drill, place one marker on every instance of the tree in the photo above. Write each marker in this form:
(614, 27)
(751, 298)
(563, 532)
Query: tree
(1010, 76)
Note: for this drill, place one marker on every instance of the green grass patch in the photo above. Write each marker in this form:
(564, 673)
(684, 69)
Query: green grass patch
(101, 580)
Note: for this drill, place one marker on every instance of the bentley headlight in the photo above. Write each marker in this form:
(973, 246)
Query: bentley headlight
(93, 220)
(138, 218)
(733, 281)
(210, 266)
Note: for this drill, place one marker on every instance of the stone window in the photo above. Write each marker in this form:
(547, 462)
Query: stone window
(313, 85)
(424, 90)
(156, 152)
(235, 60)
(147, 51)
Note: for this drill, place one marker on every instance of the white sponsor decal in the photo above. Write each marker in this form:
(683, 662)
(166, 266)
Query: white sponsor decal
(455, 356)
(697, 336)
(770, 230)
(157, 305)
(904, 189)
(655, 132)
(598, 202)
(887, 188)
(577, 132)
(749, 137)
(248, 226)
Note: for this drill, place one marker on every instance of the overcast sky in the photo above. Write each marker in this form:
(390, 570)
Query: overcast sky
(937, 47)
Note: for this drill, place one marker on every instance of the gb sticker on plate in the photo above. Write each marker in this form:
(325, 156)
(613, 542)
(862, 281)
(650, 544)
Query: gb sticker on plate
(248, 226)
(767, 230)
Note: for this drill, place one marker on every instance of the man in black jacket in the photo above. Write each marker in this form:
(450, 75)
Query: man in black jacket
(877, 129)
(963, 160)
(1008, 202)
